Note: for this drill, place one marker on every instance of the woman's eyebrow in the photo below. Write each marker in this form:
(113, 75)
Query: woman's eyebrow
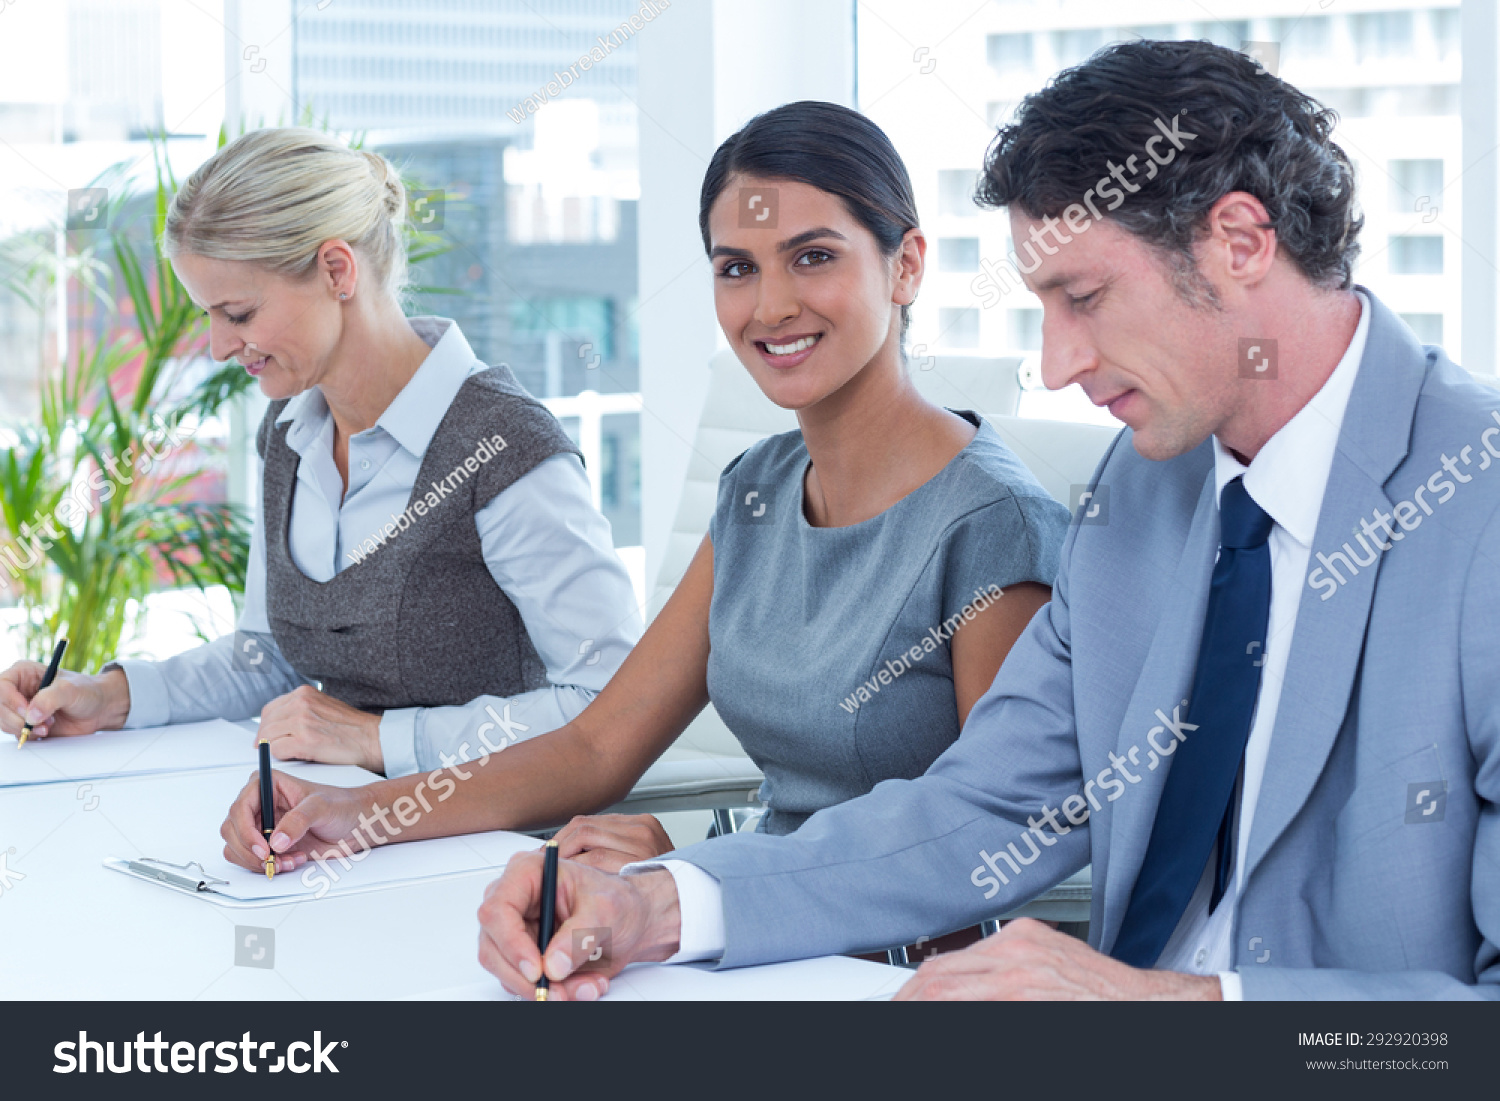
(811, 235)
(782, 246)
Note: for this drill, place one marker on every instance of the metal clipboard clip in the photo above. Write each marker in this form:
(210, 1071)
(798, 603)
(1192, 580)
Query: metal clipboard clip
(181, 876)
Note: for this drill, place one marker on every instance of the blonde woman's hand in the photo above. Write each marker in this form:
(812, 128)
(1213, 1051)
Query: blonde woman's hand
(307, 725)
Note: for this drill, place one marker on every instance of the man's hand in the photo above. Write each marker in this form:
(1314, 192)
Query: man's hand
(73, 704)
(306, 725)
(639, 914)
(311, 819)
(1027, 961)
(610, 841)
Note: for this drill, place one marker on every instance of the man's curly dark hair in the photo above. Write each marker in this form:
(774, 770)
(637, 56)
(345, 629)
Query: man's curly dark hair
(1253, 132)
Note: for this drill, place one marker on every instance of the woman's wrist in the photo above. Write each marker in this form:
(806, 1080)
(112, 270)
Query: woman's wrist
(114, 685)
(374, 751)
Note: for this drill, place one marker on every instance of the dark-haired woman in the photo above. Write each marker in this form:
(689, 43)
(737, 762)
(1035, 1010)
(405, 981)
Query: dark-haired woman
(862, 579)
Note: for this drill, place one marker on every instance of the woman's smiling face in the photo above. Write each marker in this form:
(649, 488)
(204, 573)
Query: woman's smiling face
(805, 298)
(279, 330)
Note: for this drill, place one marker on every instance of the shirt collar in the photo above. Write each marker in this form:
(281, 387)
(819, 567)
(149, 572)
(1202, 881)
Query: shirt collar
(1289, 474)
(413, 417)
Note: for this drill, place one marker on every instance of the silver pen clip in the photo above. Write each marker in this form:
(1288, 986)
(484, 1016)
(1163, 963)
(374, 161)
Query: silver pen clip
(173, 874)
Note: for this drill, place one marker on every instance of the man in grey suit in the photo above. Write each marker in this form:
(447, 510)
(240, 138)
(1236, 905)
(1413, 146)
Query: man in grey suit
(1264, 701)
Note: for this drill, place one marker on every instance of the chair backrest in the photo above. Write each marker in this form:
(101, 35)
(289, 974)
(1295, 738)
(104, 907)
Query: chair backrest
(1060, 454)
(736, 414)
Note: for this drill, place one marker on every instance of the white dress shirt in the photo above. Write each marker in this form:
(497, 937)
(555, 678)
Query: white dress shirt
(546, 545)
(1287, 479)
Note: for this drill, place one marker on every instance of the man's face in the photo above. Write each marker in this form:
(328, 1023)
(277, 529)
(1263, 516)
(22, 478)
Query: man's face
(1114, 322)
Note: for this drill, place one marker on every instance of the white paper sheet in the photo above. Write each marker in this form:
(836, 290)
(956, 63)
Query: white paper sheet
(199, 802)
(184, 747)
(830, 978)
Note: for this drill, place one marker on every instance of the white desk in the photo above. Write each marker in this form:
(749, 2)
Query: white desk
(73, 929)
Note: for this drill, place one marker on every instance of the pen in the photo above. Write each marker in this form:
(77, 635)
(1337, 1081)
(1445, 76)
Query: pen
(47, 678)
(549, 913)
(267, 805)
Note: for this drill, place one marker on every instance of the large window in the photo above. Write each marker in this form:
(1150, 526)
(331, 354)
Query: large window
(505, 107)
(940, 76)
(516, 121)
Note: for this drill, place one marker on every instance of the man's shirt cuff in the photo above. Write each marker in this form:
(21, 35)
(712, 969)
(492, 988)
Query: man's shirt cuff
(1230, 986)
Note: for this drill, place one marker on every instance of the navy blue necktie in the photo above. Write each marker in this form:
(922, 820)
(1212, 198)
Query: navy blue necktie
(1195, 814)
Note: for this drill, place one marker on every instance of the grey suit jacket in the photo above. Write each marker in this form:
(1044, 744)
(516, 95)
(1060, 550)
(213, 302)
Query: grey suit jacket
(1373, 867)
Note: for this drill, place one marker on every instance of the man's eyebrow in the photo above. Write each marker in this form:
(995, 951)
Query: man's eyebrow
(1054, 281)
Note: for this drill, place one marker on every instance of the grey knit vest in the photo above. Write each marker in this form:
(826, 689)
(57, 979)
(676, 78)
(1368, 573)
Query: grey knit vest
(419, 622)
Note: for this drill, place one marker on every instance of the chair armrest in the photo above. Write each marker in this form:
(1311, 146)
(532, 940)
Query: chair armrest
(699, 783)
(1070, 900)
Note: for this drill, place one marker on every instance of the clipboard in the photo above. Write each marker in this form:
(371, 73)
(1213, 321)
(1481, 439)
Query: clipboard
(191, 878)
(218, 882)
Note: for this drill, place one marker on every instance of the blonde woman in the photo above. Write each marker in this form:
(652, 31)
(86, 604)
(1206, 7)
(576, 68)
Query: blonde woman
(426, 549)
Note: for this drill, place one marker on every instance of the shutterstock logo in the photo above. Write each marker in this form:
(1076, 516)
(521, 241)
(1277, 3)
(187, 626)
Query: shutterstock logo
(757, 503)
(758, 207)
(228, 1056)
(1426, 801)
(1258, 357)
(593, 946)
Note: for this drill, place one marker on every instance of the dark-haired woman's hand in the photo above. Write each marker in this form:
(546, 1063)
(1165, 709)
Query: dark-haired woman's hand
(610, 841)
(311, 819)
(306, 725)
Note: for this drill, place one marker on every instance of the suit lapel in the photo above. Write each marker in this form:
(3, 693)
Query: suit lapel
(1163, 684)
(1329, 637)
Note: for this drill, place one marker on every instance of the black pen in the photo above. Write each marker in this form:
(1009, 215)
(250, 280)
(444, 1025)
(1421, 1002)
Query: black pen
(549, 913)
(47, 678)
(267, 805)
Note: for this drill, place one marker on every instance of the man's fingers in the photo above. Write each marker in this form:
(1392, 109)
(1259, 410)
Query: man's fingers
(575, 943)
(589, 986)
(509, 906)
(493, 960)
